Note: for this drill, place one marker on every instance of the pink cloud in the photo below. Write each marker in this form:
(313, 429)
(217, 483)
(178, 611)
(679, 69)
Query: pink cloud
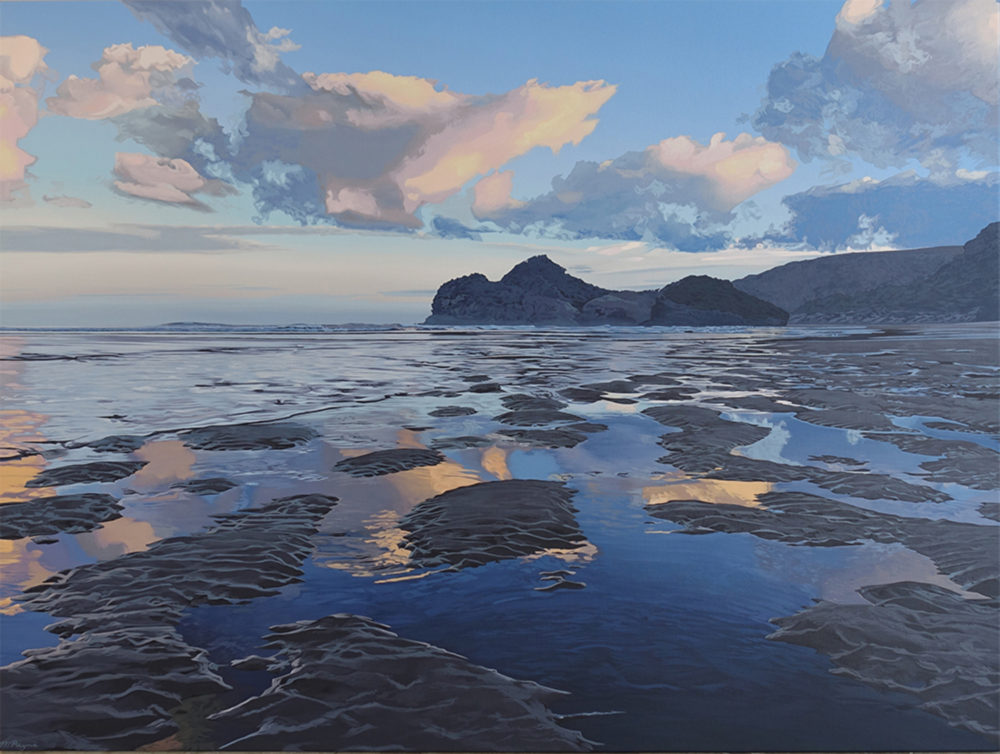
(163, 180)
(733, 171)
(492, 194)
(127, 79)
(479, 139)
(381, 146)
(21, 59)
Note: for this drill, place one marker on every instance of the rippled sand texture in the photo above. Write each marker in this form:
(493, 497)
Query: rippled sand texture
(483, 540)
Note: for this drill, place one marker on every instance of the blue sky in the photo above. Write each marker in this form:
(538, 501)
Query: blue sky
(203, 174)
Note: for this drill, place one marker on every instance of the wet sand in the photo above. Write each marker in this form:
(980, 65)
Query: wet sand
(475, 540)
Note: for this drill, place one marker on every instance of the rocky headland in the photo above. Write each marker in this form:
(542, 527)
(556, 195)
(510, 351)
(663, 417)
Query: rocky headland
(540, 292)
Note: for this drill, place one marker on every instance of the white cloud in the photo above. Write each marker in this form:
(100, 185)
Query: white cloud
(898, 81)
(677, 191)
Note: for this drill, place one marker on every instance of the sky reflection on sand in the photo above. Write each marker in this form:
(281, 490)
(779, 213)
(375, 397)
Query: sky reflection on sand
(708, 491)
(654, 624)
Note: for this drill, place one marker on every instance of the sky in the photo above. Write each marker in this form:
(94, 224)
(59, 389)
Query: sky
(325, 161)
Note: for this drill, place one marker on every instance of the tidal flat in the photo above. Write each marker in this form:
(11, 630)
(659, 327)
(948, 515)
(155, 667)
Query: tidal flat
(470, 539)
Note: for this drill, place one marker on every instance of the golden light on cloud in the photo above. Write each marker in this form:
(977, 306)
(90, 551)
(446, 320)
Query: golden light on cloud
(484, 138)
(735, 170)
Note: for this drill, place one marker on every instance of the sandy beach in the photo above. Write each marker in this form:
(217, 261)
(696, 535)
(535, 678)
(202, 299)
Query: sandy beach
(502, 539)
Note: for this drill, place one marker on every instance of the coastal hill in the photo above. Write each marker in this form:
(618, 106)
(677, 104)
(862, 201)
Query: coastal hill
(940, 284)
(943, 284)
(540, 292)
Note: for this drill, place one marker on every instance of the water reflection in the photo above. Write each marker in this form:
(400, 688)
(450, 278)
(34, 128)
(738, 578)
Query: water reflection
(20, 562)
(708, 491)
(168, 461)
(118, 537)
(837, 573)
(495, 462)
(18, 430)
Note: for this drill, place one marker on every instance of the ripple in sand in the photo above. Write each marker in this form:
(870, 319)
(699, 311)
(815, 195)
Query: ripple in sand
(535, 417)
(446, 411)
(114, 685)
(912, 637)
(391, 461)
(85, 473)
(56, 514)
(272, 436)
(118, 443)
(345, 682)
(492, 521)
(967, 553)
(208, 486)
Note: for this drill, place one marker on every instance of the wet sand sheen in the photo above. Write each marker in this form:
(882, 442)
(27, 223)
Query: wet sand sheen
(491, 489)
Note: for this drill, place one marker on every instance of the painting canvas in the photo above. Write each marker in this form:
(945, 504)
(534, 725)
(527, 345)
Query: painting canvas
(499, 376)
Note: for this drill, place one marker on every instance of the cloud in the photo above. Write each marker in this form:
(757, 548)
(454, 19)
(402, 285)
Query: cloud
(369, 150)
(678, 192)
(138, 239)
(898, 81)
(128, 79)
(905, 211)
(21, 59)
(224, 29)
(67, 202)
(447, 227)
(163, 180)
(492, 194)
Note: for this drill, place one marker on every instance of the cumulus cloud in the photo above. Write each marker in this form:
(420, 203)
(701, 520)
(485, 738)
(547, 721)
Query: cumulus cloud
(162, 180)
(898, 81)
(127, 79)
(21, 59)
(369, 150)
(678, 192)
(905, 211)
(224, 29)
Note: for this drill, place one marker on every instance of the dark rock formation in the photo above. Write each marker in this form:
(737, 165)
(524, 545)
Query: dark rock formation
(540, 292)
(946, 284)
(347, 683)
(703, 300)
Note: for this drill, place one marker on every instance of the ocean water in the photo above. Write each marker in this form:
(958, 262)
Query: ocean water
(661, 641)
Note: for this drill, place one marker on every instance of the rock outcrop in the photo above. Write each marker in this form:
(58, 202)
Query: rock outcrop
(540, 292)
